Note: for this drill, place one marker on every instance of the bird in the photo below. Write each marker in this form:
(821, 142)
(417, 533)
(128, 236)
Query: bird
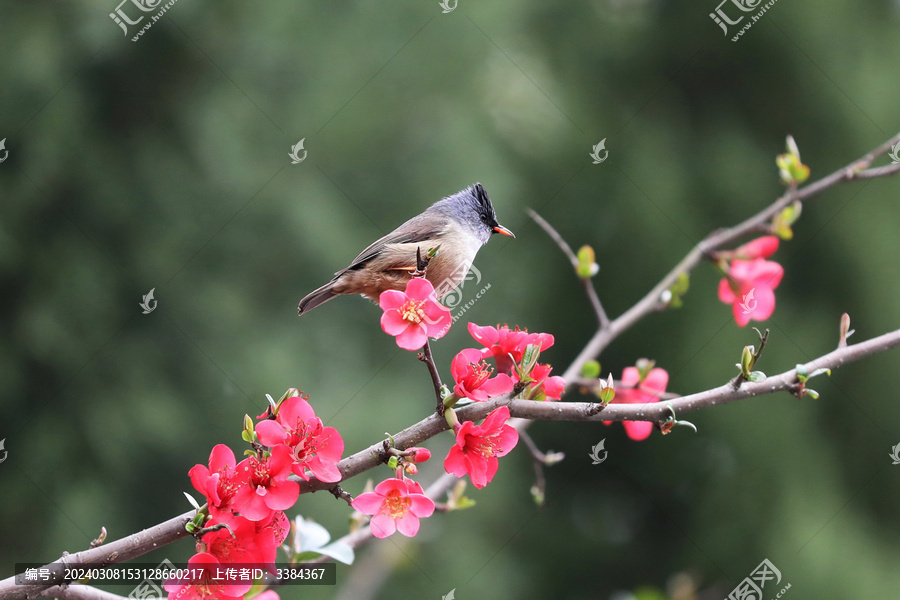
(456, 226)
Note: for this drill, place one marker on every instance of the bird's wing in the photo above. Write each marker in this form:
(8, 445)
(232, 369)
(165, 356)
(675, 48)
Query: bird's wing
(409, 233)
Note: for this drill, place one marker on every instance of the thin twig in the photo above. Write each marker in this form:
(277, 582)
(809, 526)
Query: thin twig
(588, 284)
(428, 358)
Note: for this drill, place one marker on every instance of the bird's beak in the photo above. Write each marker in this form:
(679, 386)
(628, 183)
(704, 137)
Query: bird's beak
(504, 231)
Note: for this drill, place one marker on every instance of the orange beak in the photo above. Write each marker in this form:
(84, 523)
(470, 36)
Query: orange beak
(504, 231)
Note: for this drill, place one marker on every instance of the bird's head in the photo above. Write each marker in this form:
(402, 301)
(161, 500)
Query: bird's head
(472, 209)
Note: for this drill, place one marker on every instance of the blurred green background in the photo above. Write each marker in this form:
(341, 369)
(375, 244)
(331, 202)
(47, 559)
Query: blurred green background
(163, 163)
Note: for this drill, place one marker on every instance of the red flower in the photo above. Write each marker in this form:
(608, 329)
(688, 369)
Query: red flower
(415, 315)
(418, 454)
(218, 482)
(396, 505)
(313, 446)
(265, 487)
(749, 288)
(478, 447)
(473, 377)
(503, 342)
(762, 247)
(241, 542)
(545, 386)
(203, 569)
(632, 390)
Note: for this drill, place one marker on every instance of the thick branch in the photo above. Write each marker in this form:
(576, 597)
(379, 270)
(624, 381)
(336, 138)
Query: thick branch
(118, 551)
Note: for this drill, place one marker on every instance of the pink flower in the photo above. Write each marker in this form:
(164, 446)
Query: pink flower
(240, 542)
(503, 342)
(414, 315)
(218, 482)
(396, 505)
(265, 487)
(203, 569)
(632, 390)
(544, 386)
(267, 595)
(478, 447)
(313, 446)
(418, 454)
(762, 247)
(473, 377)
(749, 288)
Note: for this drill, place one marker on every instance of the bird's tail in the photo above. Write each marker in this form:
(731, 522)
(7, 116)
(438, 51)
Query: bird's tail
(316, 297)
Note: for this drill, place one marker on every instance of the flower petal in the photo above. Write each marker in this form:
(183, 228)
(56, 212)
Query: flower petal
(499, 385)
(408, 524)
(392, 323)
(391, 299)
(412, 338)
(638, 430)
(382, 526)
(419, 288)
(368, 503)
(270, 432)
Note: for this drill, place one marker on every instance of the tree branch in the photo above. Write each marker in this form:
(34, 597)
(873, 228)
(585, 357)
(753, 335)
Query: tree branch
(717, 240)
(169, 531)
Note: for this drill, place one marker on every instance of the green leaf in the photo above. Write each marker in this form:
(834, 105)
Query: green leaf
(607, 395)
(812, 394)
(587, 266)
(590, 369)
(677, 290)
(757, 376)
(464, 502)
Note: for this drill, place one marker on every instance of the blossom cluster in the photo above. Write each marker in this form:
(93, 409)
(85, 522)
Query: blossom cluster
(246, 500)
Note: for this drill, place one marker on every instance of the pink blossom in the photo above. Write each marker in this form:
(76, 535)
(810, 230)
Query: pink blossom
(632, 390)
(395, 505)
(761, 247)
(414, 315)
(217, 482)
(473, 377)
(264, 485)
(507, 345)
(478, 447)
(313, 446)
(749, 288)
(544, 386)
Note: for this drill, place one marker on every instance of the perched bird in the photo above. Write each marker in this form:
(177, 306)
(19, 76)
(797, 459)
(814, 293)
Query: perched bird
(457, 226)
